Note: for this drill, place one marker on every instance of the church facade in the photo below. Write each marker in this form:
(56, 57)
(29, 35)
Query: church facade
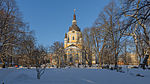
(73, 43)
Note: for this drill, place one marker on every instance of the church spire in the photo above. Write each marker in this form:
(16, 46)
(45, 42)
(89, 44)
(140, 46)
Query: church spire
(74, 16)
(74, 22)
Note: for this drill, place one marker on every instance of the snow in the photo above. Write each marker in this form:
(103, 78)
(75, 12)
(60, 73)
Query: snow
(74, 76)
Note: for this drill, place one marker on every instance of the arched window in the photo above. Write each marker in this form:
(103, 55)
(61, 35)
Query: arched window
(73, 38)
(71, 59)
(65, 57)
(68, 39)
(76, 56)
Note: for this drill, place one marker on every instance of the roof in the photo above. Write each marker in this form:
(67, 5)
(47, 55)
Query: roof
(72, 45)
(74, 27)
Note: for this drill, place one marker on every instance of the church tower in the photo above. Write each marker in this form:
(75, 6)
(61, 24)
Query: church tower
(73, 43)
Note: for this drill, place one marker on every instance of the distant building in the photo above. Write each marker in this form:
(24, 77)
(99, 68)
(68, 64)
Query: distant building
(73, 43)
(129, 59)
(134, 59)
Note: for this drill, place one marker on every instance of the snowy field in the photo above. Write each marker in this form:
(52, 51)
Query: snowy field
(74, 76)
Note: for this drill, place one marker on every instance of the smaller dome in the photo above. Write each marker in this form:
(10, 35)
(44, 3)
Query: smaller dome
(65, 35)
(74, 27)
(81, 35)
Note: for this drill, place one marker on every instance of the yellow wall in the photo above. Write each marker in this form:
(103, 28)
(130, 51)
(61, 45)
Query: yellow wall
(76, 41)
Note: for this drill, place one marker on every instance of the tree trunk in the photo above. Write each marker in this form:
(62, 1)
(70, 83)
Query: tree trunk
(38, 75)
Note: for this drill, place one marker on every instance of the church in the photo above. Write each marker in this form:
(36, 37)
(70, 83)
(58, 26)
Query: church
(73, 43)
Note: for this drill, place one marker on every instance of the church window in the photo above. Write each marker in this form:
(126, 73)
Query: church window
(71, 60)
(76, 56)
(73, 38)
(68, 39)
(65, 57)
(73, 31)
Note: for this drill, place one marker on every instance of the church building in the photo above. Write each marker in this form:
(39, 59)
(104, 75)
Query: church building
(73, 43)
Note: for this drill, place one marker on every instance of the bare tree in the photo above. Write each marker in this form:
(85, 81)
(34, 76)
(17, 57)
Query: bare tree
(24, 50)
(12, 28)
(109, 25)
(87, 46)
(58, 53)
(137, 16)
(39, 55)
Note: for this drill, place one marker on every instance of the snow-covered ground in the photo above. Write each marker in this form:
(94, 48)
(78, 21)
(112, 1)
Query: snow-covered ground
(74, 76)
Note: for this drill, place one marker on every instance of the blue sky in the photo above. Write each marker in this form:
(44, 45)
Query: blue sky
(50, 19)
